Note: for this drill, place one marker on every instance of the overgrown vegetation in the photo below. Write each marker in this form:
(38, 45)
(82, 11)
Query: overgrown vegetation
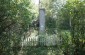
(15, 16)
(65, 20)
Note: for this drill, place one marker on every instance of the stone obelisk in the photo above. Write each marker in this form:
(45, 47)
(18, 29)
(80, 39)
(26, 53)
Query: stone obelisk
(41, 25)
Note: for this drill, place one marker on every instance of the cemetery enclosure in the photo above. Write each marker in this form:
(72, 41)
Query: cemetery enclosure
(50, 27)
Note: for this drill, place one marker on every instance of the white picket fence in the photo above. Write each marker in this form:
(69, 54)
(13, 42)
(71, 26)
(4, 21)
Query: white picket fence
(48, 40)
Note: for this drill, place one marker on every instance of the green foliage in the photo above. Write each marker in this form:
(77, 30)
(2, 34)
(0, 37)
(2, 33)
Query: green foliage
(72, 13)
(15, 16)
(50, 25)
(69, 19)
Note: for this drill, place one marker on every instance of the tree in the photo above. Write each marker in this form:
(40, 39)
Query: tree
(72, 14)
(15, 16)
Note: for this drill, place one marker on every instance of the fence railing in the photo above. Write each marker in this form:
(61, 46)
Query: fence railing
(44, 40)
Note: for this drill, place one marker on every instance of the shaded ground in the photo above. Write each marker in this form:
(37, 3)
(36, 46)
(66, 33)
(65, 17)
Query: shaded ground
(41, 51)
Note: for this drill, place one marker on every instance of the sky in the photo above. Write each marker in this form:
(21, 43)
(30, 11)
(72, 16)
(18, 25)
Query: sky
(36, 2)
